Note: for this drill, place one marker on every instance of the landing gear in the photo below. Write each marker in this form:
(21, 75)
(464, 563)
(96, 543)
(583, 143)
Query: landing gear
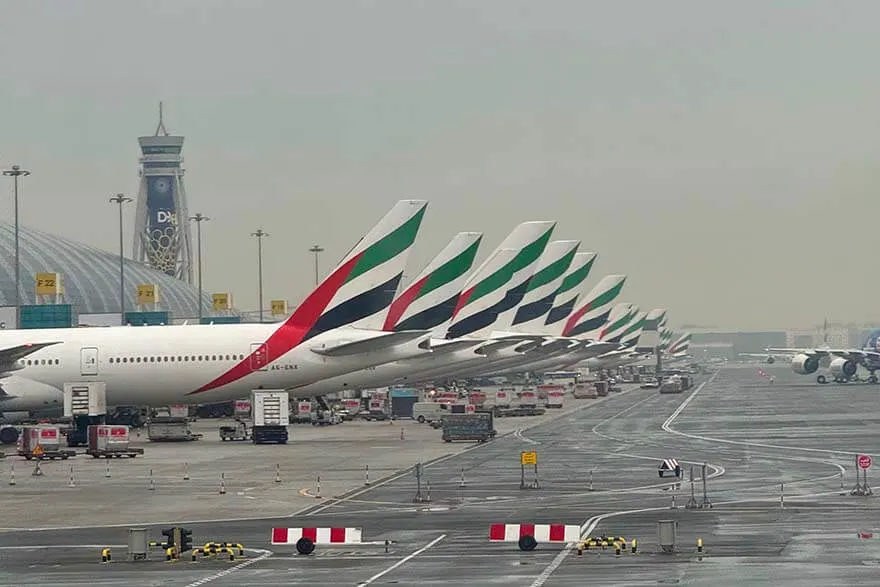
(821, 380)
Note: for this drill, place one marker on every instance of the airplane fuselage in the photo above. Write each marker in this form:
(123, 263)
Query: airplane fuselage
(185, 364)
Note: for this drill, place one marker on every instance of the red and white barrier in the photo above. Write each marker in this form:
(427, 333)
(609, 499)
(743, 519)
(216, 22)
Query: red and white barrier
(540, 532)
(316, 535)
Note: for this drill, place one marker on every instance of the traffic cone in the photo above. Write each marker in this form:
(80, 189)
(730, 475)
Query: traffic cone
(318, 488)
(401, 433)
(222, 484)
(12, 475)
(107, 472)
(151, 486)
(277, 473)
(461, 480)
(185, 471)
(71, 482)
(38, 470)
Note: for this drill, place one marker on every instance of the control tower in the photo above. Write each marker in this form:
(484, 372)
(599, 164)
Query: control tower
(162, 237)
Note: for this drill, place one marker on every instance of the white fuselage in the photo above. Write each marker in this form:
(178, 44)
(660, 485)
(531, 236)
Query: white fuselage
(399, 371)
(157, 366)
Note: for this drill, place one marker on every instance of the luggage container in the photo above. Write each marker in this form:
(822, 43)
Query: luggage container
(271, 416)
(478, 426)
(110, 441)
(502, 397)
(601, 388)
(555, 398)
(528, 398)
(42, 442)
(584, 391)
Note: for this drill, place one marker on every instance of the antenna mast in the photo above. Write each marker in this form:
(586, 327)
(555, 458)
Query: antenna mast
(161, 127)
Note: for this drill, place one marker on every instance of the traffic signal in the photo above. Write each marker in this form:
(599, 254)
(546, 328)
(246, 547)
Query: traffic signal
(169, 537)
(185, 540)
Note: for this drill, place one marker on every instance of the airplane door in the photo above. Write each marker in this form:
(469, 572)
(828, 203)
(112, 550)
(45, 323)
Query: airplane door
(88, 361)
(259, 356)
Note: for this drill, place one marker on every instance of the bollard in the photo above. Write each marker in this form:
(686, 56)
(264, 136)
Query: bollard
(12, 474)
(366, 474)
(699, 545)
(461, 482)
(151, 486)
(672, 507)
(71, 482)
(222, 483)
(277, 473)
(634, 546)
(386, 547)
(105, 555)
(107, 471)
(318, 487)
(186, 471)
(401, 433)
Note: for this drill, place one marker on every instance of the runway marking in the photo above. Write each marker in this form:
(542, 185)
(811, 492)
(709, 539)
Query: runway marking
(590, 525)
(402, 561)
(519, 434)
(264, 554)
(667, 427)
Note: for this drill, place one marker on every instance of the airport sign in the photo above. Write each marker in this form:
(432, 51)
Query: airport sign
(528, 458)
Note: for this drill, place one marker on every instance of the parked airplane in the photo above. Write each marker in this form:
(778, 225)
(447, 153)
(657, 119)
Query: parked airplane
(582, 329)
(842, 364)
(497, 284)
(338, 328)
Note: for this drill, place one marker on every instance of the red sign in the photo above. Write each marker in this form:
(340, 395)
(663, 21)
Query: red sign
(48, 433)
(865, 461)
(118, 431)
(470, 409)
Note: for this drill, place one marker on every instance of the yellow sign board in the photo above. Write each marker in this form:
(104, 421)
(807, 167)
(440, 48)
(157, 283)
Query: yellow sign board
(528, 458)
(147, 294)
(279, 307)
(221, 301)
(48, 284)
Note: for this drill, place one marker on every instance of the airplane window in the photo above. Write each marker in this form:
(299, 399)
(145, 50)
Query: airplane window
(42, 361)
(138, 359)
(57, 361)
(124, 359)
(213, 357)
(185, 358)
(166, 359)
(111, 359)
(152, 360)
(200, 357)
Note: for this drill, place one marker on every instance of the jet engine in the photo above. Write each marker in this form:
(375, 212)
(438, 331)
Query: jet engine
(804, 364)
(843, 368)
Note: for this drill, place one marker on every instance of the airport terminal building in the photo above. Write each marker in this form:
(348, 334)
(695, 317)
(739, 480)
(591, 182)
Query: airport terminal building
(90, 280)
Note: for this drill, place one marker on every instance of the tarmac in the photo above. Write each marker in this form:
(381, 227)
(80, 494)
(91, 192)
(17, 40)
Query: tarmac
(779, 469)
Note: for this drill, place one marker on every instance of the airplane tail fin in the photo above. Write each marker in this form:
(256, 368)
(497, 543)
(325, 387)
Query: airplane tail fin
(634, 330)
(618, 321)
(499, 284)
(680, 346)
(568, 293)
(544, 286)
(651, 335)
(357, 293)
(361, 288)
(592, 314)
(428, 302)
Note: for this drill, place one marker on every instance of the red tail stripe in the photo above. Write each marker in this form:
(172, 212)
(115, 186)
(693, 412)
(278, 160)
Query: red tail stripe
(403, 301)
(463, 300)
(574, 318)
(292, 332)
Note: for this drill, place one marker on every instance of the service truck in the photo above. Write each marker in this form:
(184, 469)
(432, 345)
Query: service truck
(477, 426)
(271, 416)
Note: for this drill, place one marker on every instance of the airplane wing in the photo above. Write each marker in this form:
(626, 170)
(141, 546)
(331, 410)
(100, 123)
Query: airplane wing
(11, 355)
(378, 343)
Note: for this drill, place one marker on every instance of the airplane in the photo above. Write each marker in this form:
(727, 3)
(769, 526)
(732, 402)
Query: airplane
(624, 326)
(338, 328)
(842, 364)
(498, 283)
(581, 330)
(543, 311)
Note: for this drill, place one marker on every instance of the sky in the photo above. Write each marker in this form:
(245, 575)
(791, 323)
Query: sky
(723, 155)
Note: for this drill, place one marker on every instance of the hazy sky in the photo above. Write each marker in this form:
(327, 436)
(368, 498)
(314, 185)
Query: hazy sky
(722, 154)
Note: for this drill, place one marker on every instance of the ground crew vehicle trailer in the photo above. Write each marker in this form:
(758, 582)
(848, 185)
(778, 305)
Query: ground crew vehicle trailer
(271, 413)
(47, 455)
(237, 432)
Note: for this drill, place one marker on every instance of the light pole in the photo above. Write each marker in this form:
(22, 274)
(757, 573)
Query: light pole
(15, 172)
(121, 199)
(316, 249)
(199, 218)
(260, 234)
